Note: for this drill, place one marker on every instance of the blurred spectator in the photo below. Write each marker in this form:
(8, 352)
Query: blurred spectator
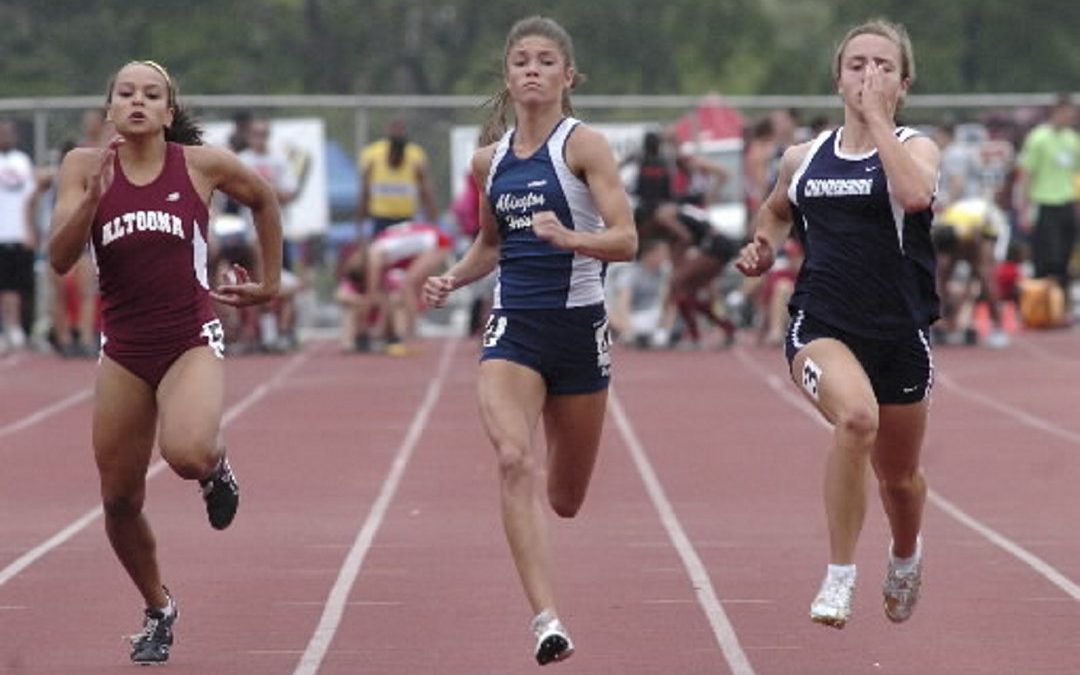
(74, 303)
(380, 281)
(238, 139)
(785, 128)
(693, 291)
(399, 261)
(466, 210)
(965, 234)
(637, 314)
(818, 125)
(270, 327)
(774, 292)
(654, 213)
(757, 156)
(394, 182)
(358, 311)
(277, 319)
(18, 236)
(74, 307)
(1049, 162)
(960, 173)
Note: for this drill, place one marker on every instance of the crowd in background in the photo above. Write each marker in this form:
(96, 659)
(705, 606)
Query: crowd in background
(1005, 232)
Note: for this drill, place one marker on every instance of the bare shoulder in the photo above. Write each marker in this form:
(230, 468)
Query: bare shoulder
(587, 148)
(585, 138)
(795, 154)
(922, 144)
(211, 165)
(80, 159)
(206, 156)
(481, 160)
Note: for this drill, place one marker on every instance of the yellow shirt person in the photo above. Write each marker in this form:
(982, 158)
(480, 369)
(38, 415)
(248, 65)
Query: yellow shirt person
(394, 181)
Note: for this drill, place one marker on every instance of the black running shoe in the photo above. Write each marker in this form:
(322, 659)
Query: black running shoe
(222, 495)
(153, 643)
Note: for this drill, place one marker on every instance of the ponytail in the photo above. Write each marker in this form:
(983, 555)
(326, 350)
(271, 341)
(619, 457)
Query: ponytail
(185, 129)
(496, 123)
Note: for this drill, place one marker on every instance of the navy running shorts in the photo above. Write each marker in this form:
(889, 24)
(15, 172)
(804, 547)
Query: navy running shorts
(570, 348)
(900, 370)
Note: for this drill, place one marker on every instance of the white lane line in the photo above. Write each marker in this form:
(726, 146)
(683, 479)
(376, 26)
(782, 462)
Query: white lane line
(58, 539)
(44, 413)
(1036, 563)
(1025, 418)
(722, 629)
(350, 568)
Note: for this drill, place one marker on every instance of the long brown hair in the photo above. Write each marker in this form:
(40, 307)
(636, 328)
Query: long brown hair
(184, 129)
(534, 26)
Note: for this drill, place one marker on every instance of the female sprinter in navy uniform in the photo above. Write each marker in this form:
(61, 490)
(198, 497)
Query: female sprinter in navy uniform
(555, 212)
(141, 202)
(858, 343)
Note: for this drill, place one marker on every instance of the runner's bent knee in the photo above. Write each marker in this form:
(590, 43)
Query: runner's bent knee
(565, 502)
(190, 455)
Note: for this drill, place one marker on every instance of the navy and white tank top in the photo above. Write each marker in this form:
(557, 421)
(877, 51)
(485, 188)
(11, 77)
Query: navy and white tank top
(533, 274)
(869, 267)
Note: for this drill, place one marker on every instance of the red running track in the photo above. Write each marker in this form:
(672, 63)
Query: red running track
(368, 539)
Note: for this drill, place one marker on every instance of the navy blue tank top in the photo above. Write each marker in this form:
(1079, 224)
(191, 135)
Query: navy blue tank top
(533, 274)
(869, 267)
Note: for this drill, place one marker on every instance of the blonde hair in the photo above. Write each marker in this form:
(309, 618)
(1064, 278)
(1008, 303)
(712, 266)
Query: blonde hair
(539, 26)
(893, 32)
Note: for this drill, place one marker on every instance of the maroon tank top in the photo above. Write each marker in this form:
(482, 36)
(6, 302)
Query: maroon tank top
(150, 249)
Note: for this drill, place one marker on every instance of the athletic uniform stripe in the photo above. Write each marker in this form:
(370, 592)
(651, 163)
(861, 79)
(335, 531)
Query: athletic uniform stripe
(586, 272)
(795, 326)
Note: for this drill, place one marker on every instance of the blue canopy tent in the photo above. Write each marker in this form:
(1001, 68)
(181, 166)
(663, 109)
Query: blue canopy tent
(343, 188)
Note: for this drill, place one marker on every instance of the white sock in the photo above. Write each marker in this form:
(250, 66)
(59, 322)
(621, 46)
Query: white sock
(842, 573)
(907, 564)
(541, 620)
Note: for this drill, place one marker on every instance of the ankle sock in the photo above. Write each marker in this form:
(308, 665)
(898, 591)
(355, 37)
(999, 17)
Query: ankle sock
(842, 572)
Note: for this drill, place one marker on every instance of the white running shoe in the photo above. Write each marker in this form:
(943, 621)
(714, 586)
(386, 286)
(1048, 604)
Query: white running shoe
(832, 606)
(552, 641)
(901, 589)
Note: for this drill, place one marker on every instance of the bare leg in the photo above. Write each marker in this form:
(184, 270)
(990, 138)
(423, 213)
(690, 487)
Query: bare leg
(511, 399)
(896, 464)
(191, 398)
(572, 426)
(846, 399)
(124, 416)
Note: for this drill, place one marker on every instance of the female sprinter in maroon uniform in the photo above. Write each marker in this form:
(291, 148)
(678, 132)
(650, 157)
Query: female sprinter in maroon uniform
(141, 202)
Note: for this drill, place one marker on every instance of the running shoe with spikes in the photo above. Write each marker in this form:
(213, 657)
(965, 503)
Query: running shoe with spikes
(152, 645)
(832, 606)
(221, 493)
(900, 589)
(552, 641)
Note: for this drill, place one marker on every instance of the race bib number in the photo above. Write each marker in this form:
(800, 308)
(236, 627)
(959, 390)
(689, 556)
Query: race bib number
(811, 378)
(494, 330)
(215, 337)
(603, 348)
